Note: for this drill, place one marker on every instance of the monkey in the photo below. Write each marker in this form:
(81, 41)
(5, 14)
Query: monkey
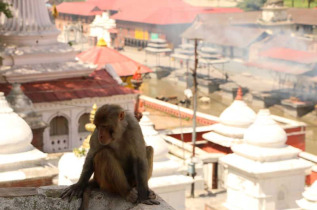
(118, 158)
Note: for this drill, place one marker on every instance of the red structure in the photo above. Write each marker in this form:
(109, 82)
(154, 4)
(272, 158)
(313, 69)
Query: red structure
(102, 56)
(98, 84)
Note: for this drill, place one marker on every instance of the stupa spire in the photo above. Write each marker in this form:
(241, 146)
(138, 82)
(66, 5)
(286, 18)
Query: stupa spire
(239, 94)
(29, 17)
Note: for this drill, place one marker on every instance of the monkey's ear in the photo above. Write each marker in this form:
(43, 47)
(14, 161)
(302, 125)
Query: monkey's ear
(121, 115)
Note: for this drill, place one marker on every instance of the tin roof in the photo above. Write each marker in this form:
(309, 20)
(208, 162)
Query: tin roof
(78, 8)
(98, 84)
(288, 54)
(102, 56)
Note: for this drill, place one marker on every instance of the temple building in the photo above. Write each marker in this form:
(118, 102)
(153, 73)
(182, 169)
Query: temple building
(260, 170)
(21, 165)
(61, 88)
(116, 64)
(137, 25)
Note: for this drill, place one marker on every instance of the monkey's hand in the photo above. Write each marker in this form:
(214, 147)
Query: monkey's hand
(75, 190)
(132, 196)
(151, 199)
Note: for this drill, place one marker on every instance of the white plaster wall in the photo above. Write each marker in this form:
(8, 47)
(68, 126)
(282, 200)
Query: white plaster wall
(250, 193)
(72, 110)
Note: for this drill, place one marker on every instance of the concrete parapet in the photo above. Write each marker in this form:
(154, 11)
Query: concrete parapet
(29, 198)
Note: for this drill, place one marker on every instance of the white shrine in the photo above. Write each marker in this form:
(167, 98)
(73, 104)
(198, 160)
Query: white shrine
(264, 172)
(101, 27)
(17, 156)
(166, 180)
(233, 122)
(309, 200)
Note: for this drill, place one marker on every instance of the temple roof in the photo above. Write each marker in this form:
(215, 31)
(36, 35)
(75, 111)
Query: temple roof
(102, 56)
(82, 8)
(280, 67)
(288, 54)
(237, 36)
(163, 12)
(97, 84)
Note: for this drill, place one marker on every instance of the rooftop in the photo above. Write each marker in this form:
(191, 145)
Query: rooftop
(101, 56)
(289, 54)
(98, 84)
(82, 8)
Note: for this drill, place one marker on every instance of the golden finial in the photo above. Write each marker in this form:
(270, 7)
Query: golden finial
(102, 43)
(54, 11)
(82, 151)
(90, 126)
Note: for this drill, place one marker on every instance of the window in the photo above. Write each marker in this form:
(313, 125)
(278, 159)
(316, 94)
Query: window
(58, 126)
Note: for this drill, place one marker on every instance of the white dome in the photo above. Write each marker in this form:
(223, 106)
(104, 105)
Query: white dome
(238, 114)
(311, 193)
(16, 134)
(265, 132)
(152, 138)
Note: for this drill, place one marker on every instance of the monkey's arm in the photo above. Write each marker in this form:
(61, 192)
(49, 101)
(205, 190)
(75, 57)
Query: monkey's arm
(78, 188)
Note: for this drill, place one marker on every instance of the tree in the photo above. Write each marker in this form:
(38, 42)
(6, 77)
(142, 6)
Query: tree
(5, 9)
(251, 5)
(309, 2)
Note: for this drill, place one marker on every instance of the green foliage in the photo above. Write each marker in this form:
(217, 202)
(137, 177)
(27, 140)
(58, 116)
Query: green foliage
(251, 5)
(300, 3)
(80, 152)
(5, 9)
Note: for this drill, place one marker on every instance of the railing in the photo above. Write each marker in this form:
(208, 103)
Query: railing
(59, 143)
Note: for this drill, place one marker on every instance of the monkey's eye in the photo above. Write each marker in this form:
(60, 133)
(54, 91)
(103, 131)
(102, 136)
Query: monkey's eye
(103, 127)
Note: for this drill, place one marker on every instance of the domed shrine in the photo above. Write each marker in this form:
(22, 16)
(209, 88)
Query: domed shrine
(20, 163)
(16, 134)
(309, 200)
(260, 170)
(233, 122)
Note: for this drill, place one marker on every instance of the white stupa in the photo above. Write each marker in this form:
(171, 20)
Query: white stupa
(101, 26)
(264, 172)
(234, 121)
(166, 181)
(309, 200)
(31, 50)
(16, 151)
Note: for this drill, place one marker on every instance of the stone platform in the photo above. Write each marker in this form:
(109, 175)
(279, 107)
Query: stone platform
(29, 198)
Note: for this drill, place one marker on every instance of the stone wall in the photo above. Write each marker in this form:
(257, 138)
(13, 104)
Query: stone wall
(30, 198)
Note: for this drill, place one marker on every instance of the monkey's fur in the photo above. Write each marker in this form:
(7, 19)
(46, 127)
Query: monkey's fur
(118, 157)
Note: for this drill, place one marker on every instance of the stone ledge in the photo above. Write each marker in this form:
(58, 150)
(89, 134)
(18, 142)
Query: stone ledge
(48, 198)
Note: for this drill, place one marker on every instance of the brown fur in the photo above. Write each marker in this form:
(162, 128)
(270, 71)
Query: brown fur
(119, 158)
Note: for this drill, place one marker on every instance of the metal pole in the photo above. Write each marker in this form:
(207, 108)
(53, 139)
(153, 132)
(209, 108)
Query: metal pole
(194, 115)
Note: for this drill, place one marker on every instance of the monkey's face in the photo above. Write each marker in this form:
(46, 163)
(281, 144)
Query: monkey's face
(109, 126)
(105, 134)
